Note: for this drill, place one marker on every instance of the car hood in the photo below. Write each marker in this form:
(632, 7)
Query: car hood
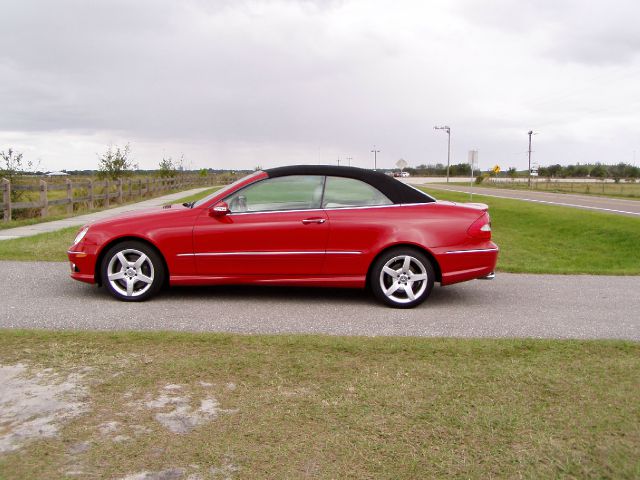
(133, 216)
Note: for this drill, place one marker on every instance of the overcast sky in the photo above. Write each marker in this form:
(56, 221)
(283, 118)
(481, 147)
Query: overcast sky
(234, 84)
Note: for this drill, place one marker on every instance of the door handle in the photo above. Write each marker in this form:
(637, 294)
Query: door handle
(307, 221)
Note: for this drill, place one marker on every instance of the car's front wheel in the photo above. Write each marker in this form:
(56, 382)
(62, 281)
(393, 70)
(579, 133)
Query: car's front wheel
(402, 277)
(132, 271)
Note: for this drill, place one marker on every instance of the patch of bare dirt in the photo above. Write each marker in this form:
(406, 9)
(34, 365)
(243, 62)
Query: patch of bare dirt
(36, 405)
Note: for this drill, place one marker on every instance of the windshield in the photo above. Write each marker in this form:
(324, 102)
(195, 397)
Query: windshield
(224, 189)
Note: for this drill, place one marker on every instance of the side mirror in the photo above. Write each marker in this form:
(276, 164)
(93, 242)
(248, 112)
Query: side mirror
(220, 209)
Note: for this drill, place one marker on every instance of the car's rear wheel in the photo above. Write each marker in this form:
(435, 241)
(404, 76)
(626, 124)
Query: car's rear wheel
(402, 277)
(132, 271)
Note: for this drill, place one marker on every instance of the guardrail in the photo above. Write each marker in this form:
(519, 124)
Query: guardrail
(90, 193)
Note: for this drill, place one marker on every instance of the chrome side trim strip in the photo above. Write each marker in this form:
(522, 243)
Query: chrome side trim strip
(310, 252)
(473, 251)
(394, 205)
(262, 212)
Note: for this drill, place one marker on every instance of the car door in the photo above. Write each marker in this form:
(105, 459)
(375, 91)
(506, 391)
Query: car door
(360, 217)
(274, 227)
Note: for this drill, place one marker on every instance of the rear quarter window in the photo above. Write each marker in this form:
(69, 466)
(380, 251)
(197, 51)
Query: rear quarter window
(348, 192)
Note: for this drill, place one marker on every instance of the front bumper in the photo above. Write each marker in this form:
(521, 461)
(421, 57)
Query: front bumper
(82, 264)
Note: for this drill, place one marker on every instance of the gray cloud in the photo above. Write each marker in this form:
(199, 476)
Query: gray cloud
(307, 81)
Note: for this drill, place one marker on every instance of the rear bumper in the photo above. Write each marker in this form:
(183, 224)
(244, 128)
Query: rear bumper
(462, 264)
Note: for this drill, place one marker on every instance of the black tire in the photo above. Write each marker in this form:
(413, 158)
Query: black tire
(140, 279)
(392, 288)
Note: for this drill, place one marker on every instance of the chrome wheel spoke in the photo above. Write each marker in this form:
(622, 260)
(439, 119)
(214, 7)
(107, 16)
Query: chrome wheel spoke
(116, 276)
(130, 283)
(409, 289)
(389, 271)
(143, 278)
(392, 289)
(138, 263)
(122, 259)
(418, 277)
(406, 264)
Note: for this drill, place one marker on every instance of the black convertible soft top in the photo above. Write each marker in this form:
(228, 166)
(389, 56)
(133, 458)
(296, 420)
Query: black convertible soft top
(394, 190)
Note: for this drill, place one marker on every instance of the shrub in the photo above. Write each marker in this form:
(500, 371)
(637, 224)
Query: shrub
(115, 163)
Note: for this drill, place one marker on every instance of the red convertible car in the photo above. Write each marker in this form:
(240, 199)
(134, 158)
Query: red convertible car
(300, 225)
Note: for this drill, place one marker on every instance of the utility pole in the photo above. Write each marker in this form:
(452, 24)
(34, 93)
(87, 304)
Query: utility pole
(338, 161)
(349, 160)
(530, 133)
(448, 130)
(375, 157)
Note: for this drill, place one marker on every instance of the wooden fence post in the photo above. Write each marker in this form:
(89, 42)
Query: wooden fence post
(69, 197)
(119, 183)
(44, 200)
(146, 192)
(130, 195)
(91, 202)
(106, 190)
(140, 188)
(6, 199)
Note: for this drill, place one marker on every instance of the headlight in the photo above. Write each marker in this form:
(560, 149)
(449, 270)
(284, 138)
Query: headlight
(80, 235)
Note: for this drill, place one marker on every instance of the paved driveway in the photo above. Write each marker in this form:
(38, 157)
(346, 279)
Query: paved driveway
(41, 295)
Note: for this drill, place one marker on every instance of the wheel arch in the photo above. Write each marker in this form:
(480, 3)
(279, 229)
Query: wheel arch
(420, 248)
(105, 248)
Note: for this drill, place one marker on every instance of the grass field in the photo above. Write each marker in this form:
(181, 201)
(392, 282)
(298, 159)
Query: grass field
(629, 190)
(533, 238)
(331, 407)
(552, 239)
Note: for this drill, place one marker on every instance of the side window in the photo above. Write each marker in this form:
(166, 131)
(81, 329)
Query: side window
(348, 192)
(295, 192)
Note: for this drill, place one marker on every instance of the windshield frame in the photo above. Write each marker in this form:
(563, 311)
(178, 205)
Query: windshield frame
(224, 191)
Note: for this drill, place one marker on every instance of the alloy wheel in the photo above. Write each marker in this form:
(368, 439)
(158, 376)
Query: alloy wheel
(130, 272)
(403, 279)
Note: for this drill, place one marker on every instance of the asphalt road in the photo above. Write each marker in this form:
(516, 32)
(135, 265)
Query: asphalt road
(41, 295)
(617, 206)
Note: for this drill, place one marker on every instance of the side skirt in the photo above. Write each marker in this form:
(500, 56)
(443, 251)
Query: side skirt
(357, 281)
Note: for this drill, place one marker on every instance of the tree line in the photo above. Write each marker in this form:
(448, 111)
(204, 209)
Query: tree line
(599, 171)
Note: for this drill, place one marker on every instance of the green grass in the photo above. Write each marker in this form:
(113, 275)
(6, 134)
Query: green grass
(333, 407)
(48, 247)
(537, 238)
(627, 190)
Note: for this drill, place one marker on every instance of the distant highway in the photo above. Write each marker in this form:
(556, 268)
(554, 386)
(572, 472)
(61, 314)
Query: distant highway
(617, 206)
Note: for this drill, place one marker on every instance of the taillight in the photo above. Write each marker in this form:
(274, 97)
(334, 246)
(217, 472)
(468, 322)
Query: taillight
(481, 228)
